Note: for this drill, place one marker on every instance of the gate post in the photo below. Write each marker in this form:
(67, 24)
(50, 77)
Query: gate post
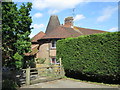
(60, 61)
(62, 73)
(60, 67)
(28, 76)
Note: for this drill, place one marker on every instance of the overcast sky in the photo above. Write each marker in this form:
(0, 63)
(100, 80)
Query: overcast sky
(94, 15)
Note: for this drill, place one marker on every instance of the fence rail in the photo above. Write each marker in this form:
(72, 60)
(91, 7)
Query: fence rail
(34, 75)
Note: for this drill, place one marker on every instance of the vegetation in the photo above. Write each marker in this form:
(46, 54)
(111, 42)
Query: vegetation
(15, 31)
(40, 60)
(9, 85)
(93, 56)
(18, 59)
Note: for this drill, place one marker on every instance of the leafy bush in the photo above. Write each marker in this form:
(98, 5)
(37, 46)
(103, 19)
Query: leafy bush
(9, 85)
(91, 55)
(40, 60)
(18, 61)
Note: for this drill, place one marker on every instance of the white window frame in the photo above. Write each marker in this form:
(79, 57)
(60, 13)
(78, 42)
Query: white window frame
(52, 60)
(55, 60)
(53, 42)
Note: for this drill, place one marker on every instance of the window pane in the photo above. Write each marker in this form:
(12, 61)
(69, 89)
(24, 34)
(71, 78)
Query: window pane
(53, 60)
(53, 43)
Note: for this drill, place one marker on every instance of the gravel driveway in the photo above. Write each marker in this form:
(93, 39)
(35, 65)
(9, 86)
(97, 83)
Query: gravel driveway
(68, 83)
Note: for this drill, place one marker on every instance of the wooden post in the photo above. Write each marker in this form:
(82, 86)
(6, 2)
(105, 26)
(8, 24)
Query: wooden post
(28, 76)
(38, 71)
(60, 61)
(62, 73)
(60, 67)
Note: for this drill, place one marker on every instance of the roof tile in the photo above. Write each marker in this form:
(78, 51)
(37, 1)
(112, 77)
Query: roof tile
(38, 36)
(65, 32)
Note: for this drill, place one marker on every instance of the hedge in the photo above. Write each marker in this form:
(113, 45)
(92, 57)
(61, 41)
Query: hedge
(92, 55)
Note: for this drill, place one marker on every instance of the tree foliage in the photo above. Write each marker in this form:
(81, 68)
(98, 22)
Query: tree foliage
(15, 31)
(92, 55)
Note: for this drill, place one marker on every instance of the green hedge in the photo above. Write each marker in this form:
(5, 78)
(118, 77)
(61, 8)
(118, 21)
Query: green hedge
(96, 54)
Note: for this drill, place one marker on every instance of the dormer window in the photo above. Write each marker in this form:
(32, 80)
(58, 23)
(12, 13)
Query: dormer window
(53, 44)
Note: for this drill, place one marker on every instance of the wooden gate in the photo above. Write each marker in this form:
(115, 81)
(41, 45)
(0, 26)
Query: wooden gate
(42, 74)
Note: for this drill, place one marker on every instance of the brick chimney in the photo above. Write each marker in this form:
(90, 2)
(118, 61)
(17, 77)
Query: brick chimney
(68, 22)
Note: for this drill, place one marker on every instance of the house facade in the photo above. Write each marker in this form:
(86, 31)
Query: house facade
(44, 44)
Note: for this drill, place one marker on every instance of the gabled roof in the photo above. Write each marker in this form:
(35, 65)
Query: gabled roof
(55, 30)
(38, 36)
(65, 32)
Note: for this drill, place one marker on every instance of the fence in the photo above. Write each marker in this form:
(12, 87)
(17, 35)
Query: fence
(36, 75)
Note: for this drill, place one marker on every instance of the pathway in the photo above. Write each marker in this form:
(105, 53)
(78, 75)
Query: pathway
(68, 83)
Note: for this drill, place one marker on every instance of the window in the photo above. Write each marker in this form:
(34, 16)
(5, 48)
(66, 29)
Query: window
(53, 60)
(53, 44)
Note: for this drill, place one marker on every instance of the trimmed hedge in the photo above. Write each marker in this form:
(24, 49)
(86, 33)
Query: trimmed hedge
(91, 55)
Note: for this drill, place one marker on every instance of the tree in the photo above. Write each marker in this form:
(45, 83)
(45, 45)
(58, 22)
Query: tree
(15, 32)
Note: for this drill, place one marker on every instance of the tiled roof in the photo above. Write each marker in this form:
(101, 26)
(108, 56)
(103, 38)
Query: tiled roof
(61, 32)
(34, 50)
(86, 31)
(64, 32)
(52, 24)
(38, 36)
(55, 30)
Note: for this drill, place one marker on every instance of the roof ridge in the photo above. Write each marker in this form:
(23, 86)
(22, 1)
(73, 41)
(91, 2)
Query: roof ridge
(73, 29)
(38, 33)
(38, 36)
(77, 30)
(90, 29)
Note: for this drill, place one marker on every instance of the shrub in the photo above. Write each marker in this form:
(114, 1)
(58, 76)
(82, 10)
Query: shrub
(40, 60)
(91, 55)
(9, 85)
(18, 62)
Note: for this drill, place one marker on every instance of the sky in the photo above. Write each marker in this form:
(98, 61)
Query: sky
(93, 15)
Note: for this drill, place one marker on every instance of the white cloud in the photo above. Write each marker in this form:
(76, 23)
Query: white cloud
(82, 0)
(113, 29)
(103, 0)
(106, 13)
(53, 11)
(31, 35)
(55, 5)
(38, 26)
(79, 17)
(37, 15)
